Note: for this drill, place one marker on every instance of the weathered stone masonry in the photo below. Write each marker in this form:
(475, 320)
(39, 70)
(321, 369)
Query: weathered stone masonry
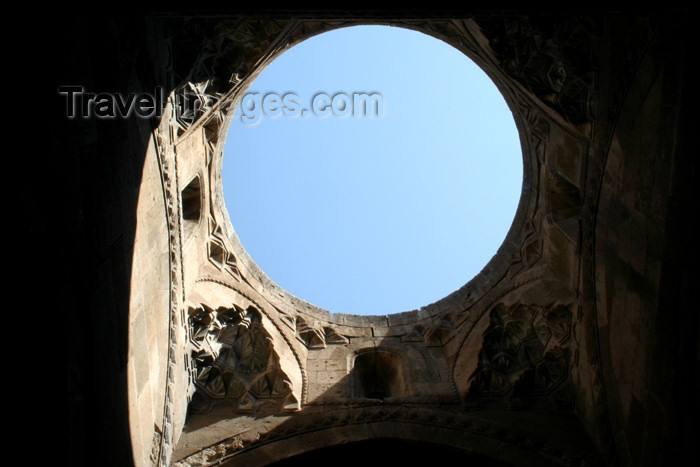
(576, 344)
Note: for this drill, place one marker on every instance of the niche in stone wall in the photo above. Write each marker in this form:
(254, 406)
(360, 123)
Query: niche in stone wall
(565, 205)
(191, 206)
(377, 375)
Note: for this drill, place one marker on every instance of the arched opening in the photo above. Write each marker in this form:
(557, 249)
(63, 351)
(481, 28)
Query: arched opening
(372, 214)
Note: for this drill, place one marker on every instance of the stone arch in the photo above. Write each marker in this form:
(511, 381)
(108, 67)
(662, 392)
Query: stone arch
(390, 450)
(190, 138)
(124, 274)
(197, 132)
(491, 441)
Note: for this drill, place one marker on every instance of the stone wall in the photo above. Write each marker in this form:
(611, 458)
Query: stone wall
(577, 342)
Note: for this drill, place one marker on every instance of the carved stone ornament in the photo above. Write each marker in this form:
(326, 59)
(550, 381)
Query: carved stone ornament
(235, 362)
(524, 360)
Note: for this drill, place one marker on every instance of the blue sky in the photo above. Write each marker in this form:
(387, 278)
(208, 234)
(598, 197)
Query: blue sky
(375, 215)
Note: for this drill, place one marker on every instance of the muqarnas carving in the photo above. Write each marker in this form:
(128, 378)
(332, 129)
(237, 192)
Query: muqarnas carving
(552, 57)
(315, 336)
(524, 359)
(219, 254)
(235, 362)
